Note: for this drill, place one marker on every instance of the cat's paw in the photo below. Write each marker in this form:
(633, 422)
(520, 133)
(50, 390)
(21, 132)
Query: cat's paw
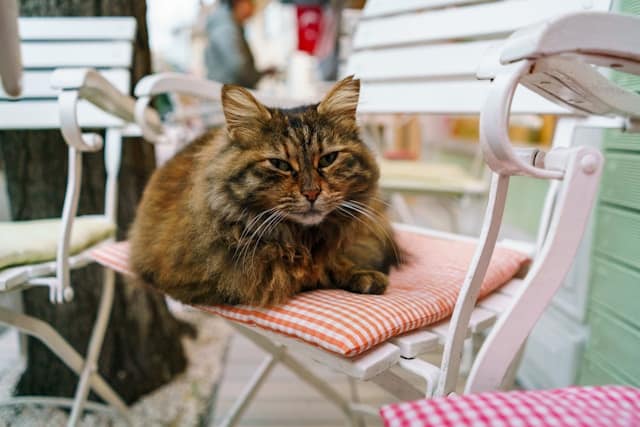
(368, 282)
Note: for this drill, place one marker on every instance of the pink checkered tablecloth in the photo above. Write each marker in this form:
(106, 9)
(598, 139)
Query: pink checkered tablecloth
(602, 406)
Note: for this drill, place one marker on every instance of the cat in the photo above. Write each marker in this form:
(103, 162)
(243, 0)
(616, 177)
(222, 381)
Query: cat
(277, 202)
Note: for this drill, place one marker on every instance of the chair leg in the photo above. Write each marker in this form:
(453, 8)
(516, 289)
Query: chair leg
(90, 367)
(510, 377)
(297, 368)
(61, 348)
(356, 419)
(250, 390)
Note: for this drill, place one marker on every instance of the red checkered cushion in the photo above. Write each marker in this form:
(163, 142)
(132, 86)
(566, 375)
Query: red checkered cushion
(606, 406)
(348, 324)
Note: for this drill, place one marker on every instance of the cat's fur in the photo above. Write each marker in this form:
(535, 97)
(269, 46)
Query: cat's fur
(221, 223)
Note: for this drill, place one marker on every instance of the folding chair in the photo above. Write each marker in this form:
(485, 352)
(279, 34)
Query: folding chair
(42, 252)
(379, 338)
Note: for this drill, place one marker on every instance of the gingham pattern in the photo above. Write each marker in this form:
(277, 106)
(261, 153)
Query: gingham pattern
(605, 406)
(421, 293)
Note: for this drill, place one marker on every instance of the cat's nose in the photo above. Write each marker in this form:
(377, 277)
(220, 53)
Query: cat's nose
(311, 195)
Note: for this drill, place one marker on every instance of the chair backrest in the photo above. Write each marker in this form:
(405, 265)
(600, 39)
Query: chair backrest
(49, 43)
(422, 56)
(426, 57)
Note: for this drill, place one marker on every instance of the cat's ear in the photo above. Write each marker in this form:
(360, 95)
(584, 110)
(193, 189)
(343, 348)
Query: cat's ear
(342, 100)
(243, 113)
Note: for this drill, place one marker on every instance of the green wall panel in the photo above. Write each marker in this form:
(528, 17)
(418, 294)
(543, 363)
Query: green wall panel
(595, 371)
(617, 140)
(617, 235)
(617, 288)
(615, 341)
(621, 179)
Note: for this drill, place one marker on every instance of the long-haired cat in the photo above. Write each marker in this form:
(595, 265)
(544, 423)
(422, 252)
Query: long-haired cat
(278, 202)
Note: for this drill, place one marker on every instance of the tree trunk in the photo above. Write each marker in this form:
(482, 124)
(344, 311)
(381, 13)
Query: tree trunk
(142, 348)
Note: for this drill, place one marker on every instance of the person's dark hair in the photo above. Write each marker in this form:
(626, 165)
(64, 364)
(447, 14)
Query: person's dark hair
(227, 2)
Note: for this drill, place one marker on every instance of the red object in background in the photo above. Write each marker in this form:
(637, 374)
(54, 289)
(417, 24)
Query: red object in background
(309, 27)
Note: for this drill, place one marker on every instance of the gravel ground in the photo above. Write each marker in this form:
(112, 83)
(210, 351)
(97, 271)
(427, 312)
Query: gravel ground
(186, 401)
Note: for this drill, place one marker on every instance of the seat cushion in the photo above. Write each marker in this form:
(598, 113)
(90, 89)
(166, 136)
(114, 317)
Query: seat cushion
(420, 293)
(605, 406)
(29, 242)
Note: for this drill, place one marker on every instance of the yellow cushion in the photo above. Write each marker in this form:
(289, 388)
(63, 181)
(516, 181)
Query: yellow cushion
(28, 242)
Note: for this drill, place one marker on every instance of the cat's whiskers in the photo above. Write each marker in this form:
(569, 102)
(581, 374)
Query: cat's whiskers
(376, 218)
(266, 227)
(242, 247)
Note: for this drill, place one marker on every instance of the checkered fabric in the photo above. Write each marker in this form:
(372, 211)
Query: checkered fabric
(421, 293)
(605, 406)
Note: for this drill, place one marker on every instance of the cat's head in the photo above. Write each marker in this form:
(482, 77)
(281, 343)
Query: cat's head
(303, 163)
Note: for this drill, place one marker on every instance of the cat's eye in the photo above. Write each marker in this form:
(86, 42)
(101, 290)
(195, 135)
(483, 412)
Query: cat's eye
(281, 165)
(327, 159)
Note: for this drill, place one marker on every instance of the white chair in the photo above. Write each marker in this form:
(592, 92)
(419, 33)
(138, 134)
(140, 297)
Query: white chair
(464, 60)
(42, 252)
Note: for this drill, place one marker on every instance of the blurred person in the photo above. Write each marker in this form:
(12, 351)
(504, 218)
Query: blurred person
(227, 56)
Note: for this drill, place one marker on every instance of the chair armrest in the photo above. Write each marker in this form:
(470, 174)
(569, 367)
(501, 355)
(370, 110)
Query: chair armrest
(555, 59)
(185, 84)
(11, 63)
(89, 84)
(612, 40)
(76, 85)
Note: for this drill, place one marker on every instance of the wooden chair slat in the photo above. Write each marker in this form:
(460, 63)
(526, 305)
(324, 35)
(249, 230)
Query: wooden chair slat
(415, 343)
(48, 54)
(475, 21)
(377, 8)
(481, 319)
(46, 115)
(454, 97)
(77, 28)
(419, 62)
(37, 84)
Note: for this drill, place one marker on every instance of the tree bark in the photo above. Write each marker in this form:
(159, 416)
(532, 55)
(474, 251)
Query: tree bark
(142, 348)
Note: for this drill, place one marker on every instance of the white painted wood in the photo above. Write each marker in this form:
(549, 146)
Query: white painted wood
(479, 320)
(37, 84)
(482, 20)
(464, 309)
(617, 35)
(415, 343)
(90, 365)
(581, 87)
(377, 8)
(496, 302)
(112, 158)
(453, 60)
(101, 54)
(546, 275)
(512, 288)
(361, 367)
(45, 115)
(62, 290)
(80, 28)
(451, 97)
